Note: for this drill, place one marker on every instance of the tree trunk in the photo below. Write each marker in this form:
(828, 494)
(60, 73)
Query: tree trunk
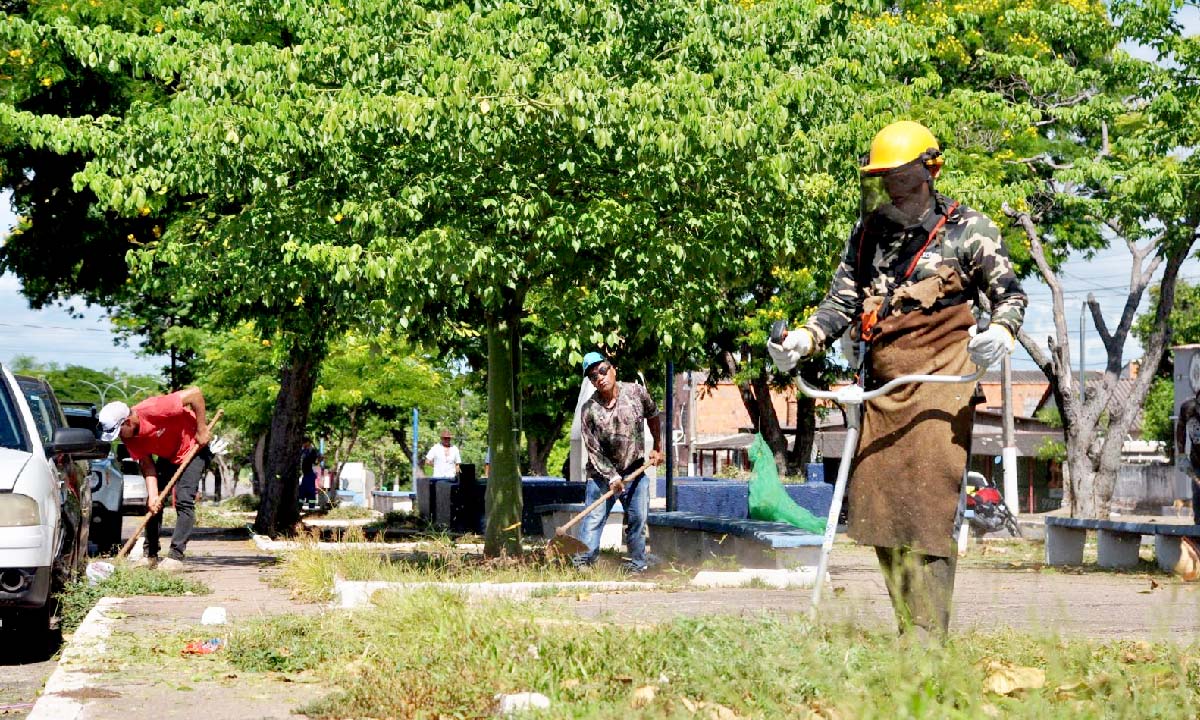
(258, 465)
(806, 430)
(756, 398)
(503, 531)
(279, 512)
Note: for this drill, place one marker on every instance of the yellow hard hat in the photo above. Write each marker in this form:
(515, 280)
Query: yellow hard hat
(901, 143)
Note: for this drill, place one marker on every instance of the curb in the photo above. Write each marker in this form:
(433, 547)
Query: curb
(86, 645)
(357, 593)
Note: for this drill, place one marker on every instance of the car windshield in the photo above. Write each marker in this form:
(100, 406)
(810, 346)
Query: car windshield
(10, 423)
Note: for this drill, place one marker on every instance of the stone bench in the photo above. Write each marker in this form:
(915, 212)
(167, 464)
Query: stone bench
(692, 538)
(1117, 542)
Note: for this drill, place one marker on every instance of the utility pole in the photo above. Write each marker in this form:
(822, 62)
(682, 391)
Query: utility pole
(1008, 454)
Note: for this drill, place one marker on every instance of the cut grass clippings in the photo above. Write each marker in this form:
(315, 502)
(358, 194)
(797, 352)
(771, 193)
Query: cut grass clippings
(79, 596)
(429, 654)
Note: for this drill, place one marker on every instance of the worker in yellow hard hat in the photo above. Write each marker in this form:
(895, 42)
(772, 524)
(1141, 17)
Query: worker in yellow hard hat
(907, 289)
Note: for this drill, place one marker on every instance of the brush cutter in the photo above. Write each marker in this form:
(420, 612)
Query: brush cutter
(162, 496)
(851, 398)
(564, 545)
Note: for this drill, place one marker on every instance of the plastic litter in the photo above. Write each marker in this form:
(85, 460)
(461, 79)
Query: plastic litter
(214, 616)
(203, 647)
(99, 571)
(520, 702)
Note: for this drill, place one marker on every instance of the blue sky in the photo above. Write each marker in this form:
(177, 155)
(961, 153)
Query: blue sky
(55, 335)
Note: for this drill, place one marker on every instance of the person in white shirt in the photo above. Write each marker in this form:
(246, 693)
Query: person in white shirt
(444, 457)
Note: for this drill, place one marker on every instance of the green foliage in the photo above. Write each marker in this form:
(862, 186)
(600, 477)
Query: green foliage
(1052, 450)
(75, 383)
(1050, 415)
(1157, 412)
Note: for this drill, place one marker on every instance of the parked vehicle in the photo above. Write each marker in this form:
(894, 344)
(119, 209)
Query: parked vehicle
(134, 499)
(986, 509)
(45, 507)
(107, 484)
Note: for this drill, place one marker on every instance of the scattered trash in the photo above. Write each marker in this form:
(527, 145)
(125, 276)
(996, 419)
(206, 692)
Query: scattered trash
(213, 616)
(643, 696)
(1005, 678)
(520, 702)
(1188, 566)
(99, 571)
(203, 647)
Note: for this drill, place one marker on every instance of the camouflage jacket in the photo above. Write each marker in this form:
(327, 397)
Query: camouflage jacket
(875, 271)
(614, 436)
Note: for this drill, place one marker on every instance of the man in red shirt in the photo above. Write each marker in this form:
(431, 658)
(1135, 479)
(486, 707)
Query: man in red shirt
(166, 427)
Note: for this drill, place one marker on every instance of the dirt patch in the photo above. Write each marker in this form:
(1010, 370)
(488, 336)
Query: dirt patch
(88, 693)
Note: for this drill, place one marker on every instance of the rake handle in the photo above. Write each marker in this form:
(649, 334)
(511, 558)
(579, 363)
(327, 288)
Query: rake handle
(562, 530)
(162, 496)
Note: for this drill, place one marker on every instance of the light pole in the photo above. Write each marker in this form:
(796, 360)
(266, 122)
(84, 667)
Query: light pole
(1082, 380)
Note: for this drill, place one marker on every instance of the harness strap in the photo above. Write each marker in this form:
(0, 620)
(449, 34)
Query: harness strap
(869, 319)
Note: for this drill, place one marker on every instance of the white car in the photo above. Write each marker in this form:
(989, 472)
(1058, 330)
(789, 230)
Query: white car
(134, 500)
(45, 508)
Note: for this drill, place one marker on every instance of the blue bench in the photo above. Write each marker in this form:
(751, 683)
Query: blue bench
(692, 538)
(1117, 543)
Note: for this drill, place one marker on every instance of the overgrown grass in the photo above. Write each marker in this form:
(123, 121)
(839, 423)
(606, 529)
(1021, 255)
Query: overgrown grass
(241, 503)
(347, 512)
(425, 655)
(310, 572)
(78, 597)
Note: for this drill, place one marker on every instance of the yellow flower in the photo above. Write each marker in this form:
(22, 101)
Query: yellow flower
(47, 82)
(158, 27)
(144, 211)
(337, 218)
(266, 343)
(14, 53)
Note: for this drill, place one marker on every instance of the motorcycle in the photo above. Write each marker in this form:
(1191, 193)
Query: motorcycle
(986, 511)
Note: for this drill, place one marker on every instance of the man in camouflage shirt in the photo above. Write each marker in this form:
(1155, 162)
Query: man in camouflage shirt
(916, 264)
(611, 422)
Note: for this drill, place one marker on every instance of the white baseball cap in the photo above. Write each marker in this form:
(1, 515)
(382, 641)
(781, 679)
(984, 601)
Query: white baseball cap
(111, 417)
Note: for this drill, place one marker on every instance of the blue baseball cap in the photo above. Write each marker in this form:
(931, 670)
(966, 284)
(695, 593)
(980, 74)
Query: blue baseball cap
(591, 359)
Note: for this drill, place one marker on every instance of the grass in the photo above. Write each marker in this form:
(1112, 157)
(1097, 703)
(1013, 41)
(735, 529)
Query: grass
(347, 512)
(241, 503)
(430, 654)
(310, 572)
(78, 597)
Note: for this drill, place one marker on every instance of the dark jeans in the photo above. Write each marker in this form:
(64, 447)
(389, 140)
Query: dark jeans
(921, 587)
(184, 495)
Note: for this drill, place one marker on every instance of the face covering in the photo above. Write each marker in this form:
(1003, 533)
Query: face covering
(900, 195)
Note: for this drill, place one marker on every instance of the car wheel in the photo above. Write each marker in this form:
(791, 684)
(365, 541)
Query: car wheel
(34, 637)
(106, 529)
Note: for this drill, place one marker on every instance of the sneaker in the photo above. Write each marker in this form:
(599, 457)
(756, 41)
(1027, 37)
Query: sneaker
(629, 567)
(170, 565)
(145, 561)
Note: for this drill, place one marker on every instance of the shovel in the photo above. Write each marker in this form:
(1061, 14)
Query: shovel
(564, 545)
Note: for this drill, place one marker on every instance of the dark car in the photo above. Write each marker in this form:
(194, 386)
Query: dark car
(107, 483)
(45, 508)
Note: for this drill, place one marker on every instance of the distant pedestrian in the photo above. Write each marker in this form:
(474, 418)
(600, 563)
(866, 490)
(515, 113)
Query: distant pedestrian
(159, 432)
(611, 422)
(309, 457)
(1187, 447)
(444, 457)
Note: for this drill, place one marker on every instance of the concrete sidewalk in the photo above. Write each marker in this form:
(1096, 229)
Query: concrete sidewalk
(123, 688)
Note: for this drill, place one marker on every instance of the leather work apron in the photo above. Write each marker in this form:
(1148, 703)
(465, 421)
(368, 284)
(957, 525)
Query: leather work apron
(908, 468)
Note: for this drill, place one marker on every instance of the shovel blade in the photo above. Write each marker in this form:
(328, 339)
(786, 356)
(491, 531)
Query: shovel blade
(563, 545)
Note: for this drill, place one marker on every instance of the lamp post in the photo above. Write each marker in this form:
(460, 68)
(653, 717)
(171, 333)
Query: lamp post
(101, 390)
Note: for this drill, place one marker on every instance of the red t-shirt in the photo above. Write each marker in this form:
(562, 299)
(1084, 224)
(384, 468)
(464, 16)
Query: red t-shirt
(166, 428)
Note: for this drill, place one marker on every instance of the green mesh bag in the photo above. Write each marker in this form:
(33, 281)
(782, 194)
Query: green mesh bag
(768, 499)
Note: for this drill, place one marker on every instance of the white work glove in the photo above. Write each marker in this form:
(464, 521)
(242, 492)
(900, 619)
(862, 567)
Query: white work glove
(990, 346)
(218, 445)
(796, 346)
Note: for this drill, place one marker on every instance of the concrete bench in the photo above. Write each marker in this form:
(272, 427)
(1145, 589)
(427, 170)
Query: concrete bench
(693, 538)
(1117, 542)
